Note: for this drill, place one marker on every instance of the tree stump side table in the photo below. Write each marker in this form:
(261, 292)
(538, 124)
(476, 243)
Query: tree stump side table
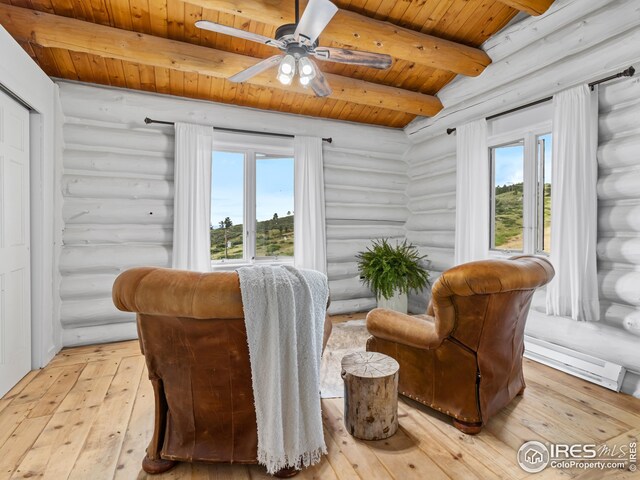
(370, 395)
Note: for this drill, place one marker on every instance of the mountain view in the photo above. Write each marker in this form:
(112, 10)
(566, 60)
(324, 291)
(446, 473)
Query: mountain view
(273, 238)
(509, 213)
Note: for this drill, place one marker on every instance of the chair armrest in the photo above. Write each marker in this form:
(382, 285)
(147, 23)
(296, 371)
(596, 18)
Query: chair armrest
(401, 328)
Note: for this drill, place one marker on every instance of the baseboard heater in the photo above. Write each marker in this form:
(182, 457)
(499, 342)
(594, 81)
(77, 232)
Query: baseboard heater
(592, 369)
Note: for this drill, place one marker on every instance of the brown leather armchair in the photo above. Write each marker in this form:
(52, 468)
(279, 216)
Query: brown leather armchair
(192, 333)
(464, 357)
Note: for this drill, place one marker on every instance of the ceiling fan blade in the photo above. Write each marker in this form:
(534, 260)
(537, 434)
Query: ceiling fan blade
(236, 32)
(254, 70)
(319, 84)
(314, 19)
(353, 57)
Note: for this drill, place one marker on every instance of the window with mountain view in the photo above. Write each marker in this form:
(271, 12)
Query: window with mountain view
(251, 206)
(521, 195)
(274, 206)
(508, 192)
(227, 206)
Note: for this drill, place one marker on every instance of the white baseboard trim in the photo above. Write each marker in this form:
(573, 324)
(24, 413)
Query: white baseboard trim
(587, 367)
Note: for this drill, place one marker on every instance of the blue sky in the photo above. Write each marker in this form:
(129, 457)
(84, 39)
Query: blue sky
(509, 163)
(274, 187)
(547, 157)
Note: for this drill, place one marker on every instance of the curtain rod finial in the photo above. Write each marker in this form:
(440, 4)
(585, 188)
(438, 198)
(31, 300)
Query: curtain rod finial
(147, 120)
(450, 131)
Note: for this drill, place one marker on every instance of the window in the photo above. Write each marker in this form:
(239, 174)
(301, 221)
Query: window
(227, 206)
(274, 206)
(521, 194)
(508, 204)
(251, 205)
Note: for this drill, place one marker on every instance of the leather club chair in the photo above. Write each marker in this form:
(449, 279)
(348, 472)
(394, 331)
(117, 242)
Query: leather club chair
(192, 333)
(464, 357)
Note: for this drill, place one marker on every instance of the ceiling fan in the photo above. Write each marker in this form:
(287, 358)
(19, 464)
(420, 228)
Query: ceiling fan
(298, 42)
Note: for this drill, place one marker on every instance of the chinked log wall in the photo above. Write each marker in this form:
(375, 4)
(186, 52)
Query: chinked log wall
(431, 222)
(117, 186)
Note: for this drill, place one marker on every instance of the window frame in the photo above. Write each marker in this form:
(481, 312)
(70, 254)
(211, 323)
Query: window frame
(539, 186)
(529, 136)
(492, 193)
(250, 146)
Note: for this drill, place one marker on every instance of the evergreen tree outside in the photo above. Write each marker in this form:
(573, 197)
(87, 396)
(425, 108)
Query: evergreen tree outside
(226, 224)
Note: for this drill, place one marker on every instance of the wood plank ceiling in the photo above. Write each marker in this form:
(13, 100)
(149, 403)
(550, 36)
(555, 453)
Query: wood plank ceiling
(77, 50)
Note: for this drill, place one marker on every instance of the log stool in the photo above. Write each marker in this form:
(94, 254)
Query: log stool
(370, 395)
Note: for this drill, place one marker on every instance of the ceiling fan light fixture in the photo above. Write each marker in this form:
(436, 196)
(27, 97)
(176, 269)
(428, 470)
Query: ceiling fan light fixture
(285, 79)
(298, 43)
(287, 69)
(288, 65)
(306, 68)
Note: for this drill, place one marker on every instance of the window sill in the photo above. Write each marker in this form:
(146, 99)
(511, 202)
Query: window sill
(234, 265)
(503, 255)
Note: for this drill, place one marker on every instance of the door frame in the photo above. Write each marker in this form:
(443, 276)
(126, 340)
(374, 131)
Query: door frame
(22, 79)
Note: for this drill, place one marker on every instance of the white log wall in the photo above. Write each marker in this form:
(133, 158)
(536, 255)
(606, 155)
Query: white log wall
(619, 204)
(432, 207)
(117, 186)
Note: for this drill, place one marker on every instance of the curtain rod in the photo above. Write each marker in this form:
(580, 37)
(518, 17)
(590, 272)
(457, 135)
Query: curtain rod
(625, 73)
(147, 120)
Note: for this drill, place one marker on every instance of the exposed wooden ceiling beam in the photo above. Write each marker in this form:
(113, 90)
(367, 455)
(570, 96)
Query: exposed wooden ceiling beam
(352, 30)
(532, 7)
(53, 31)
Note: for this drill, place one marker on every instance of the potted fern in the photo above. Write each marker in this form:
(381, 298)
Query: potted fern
(392, 272)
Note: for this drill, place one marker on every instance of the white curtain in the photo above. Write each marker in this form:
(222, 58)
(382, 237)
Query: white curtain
(472, 192)
(574, 290)
(309, 217)
(192, 199)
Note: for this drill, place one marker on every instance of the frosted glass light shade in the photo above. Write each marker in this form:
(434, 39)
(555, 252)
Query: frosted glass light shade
(285, 79)
(288, 65)
(306, 68)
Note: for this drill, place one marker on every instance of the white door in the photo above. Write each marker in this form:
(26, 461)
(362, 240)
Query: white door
(15, 302)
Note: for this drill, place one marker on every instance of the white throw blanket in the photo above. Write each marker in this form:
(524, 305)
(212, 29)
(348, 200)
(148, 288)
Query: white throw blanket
(284, 311)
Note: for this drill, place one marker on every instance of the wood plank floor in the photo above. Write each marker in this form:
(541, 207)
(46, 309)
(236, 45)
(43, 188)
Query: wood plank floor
(88, 415)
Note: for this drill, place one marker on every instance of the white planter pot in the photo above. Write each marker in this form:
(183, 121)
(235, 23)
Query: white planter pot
(399, 302)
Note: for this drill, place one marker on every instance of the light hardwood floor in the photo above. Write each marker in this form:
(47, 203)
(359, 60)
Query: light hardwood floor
(88, 415)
